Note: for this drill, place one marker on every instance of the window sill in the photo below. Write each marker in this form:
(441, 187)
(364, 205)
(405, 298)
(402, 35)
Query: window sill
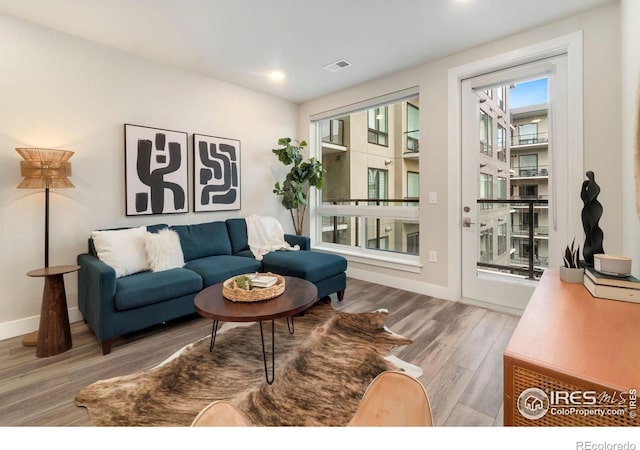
(394, 261)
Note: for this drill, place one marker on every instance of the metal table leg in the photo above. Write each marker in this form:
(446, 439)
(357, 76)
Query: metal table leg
(214, 330)
(290, 327)
(273, 354)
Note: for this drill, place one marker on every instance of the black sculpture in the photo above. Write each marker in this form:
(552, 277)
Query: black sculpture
(591, 213)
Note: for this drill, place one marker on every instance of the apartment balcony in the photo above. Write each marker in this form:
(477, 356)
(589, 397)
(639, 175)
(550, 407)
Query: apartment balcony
(528, 141)
(333, 137)
(519, 206)
(530, 265)
(411, 144)
(529, 172)
(522, 232)
(523, 261)
(329, 148)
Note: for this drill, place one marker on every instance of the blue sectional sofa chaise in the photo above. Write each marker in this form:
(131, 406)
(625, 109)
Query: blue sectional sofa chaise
(213, 252)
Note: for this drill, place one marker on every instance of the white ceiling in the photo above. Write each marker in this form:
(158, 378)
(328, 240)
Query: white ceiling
(241, 41)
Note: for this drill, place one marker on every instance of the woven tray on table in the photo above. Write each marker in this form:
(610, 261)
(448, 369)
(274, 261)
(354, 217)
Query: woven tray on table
(230, 290)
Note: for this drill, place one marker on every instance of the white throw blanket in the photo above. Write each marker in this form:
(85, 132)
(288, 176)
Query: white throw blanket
(265, 234)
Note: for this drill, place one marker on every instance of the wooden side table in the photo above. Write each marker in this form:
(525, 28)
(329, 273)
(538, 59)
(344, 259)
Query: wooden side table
(54, 332)
(568, 341)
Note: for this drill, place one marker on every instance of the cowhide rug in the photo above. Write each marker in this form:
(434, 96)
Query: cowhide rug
(322, 371)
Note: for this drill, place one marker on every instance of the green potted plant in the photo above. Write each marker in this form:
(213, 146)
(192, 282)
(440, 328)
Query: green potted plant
(571, 272)
(301, 177)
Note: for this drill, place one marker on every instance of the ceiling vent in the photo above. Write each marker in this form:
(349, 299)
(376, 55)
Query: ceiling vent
(337, 65)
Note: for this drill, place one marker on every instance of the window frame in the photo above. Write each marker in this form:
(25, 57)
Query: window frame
(417, 174)
(408, 212)
(376, 131)
(415, 147)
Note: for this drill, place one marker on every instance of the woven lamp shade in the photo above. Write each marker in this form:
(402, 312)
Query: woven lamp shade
(45, 168)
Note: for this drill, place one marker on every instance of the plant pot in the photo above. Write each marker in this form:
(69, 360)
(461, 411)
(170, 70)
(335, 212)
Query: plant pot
(571, 275)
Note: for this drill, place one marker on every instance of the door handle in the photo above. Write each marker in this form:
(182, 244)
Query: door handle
(466, 222)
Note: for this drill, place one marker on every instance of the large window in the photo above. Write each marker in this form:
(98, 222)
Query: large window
(501, 95)
(528, 165)
(369, 202)
(413, 128)
(528, 191)
(332, 131)
(502, 239)
(486, 245)
(378, 186)
(502, 190)
(413, 185)
(501, 143)
(486, 134)
(486, 189)
(377, 120)
(528, 133)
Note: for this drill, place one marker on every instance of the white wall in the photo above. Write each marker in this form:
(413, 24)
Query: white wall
(630, 13)
(59, 91)
(602, 140)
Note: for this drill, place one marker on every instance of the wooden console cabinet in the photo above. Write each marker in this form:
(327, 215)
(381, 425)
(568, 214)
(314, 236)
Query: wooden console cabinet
(569, 341)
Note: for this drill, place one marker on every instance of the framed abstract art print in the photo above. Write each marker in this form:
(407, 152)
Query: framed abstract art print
(216, 173)
(156, 171)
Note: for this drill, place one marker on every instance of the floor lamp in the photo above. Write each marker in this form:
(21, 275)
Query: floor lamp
(48, 169)
(45, 169)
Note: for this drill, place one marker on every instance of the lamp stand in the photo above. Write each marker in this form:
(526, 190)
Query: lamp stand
(44, 168)
(31, 339)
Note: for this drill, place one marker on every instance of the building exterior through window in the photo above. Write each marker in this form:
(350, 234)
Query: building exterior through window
(517, 171)
(371, 159)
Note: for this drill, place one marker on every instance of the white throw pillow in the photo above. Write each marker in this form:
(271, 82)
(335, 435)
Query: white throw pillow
(122, 249)
(164, 250)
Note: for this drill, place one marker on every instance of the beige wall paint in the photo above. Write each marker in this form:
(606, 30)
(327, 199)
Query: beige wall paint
(59, 91)
(602, 140)
(630, 13)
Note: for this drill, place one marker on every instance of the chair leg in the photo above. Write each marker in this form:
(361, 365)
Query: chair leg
(106, 346)
(340, 295)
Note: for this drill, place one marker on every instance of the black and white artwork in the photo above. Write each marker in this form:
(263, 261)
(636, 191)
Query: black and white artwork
(216, 173)
(156, 171)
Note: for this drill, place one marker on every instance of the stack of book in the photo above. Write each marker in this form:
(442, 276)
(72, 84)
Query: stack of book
(615, 288)
(263, 281)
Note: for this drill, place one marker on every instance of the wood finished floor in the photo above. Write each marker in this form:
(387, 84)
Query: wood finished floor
(459, 348)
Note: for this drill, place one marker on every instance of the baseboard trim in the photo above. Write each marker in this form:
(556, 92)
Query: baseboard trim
(493, 307)
(418, 287)
(28, 324)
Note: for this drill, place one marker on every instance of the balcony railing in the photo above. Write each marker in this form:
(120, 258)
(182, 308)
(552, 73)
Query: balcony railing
(530, 171)
(336, 224)
(540, 262)
(407, 201)
(529, 268)
(530, 138)
(412, 141)
(519, 229)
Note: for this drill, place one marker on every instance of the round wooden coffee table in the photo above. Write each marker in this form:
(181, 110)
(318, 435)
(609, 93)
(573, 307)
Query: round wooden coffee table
(298, 295)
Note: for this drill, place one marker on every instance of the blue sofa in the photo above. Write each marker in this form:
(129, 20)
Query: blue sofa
(213, 252)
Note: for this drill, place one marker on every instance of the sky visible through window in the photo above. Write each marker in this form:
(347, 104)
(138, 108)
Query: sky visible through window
(529, 93)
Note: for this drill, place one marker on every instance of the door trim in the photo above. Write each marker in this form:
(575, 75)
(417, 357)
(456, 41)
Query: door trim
(572, 45)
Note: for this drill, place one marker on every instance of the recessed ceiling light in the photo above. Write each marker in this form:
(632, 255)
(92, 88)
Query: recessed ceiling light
(277, 75)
